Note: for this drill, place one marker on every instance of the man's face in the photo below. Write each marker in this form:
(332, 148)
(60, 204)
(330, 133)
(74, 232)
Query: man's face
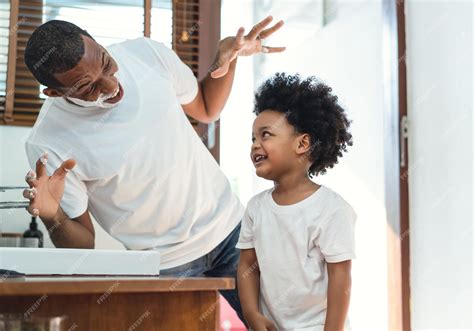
(91, 77)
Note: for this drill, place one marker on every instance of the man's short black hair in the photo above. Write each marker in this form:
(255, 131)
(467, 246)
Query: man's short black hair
(54, 47)
(311, 108)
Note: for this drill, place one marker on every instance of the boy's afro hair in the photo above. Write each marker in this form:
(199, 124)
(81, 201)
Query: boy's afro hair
(311, 108)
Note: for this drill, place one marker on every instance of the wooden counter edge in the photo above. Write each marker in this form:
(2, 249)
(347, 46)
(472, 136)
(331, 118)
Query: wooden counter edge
(37, 286)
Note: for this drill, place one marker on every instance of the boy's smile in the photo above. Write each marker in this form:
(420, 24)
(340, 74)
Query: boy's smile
(258, 159)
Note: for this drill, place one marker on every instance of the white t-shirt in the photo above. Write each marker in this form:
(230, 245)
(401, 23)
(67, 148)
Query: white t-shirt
(293, 244)
(142, 170)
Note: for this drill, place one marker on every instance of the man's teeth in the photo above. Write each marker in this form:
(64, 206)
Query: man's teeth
(259, 158)
(114, 93)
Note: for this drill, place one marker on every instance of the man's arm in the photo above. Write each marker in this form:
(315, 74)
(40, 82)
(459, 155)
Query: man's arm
(214, 89)
(71, 233)
(339, 292)
(212, 96)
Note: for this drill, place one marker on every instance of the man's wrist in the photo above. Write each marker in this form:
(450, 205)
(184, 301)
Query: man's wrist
(218, 62)
(60, 216)
(57, 219)
(223, 47)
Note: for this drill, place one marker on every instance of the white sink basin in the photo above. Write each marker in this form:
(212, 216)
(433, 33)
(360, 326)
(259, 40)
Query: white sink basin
(65, 261)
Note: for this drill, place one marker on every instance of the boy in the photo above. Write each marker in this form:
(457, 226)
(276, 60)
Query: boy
(297, 239)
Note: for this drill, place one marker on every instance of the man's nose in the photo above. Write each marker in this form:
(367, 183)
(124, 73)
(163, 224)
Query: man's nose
(109, 84)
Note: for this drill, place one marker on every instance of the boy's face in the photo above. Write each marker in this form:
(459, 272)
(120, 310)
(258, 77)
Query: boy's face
(275, 144)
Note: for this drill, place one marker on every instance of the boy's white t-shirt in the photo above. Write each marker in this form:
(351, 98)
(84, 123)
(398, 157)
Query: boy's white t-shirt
(293, 243)
(142, 170)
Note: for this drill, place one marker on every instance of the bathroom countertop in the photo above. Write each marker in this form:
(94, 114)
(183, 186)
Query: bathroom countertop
(99, 284)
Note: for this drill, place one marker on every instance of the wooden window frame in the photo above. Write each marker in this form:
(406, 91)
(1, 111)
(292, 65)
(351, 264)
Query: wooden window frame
(202, 28)
(397, 173)
(11, 67)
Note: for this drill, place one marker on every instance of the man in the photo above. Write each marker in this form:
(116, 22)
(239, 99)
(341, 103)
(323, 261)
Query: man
(141, 171)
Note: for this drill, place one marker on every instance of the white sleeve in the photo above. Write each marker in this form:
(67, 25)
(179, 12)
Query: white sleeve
(184, 81)
(75, 198)
(246, 232)
(336, 237)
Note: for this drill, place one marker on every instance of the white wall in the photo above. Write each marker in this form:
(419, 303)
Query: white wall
(440, 92)
(347, 55)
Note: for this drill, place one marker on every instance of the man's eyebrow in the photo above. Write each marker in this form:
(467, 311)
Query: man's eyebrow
(103, 59)
(81, 85)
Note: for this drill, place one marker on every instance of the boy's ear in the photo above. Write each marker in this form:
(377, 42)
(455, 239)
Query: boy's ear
(304, 144)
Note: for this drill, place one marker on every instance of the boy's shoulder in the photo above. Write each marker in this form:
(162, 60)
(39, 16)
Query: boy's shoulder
(335, 201)
(333, 196)
(256, 201)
